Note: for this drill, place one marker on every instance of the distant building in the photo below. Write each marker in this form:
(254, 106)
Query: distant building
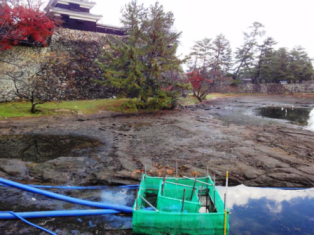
(75, 14)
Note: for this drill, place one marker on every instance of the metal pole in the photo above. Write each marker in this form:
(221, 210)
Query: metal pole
(227, 178)
(176, 169)
(179, 184)
(197, 181)
(163, 182)
(136, 205)
(148, 203)
(183, 200)
(206, 206)
(214, 190)
(225, 224)
(200, 193)
(193, 188)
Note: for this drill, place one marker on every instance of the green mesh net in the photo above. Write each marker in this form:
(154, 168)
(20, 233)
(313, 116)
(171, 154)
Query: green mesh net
(203, 209)
(170, 198)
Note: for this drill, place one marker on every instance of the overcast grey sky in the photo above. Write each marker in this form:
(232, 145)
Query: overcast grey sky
(289, 22)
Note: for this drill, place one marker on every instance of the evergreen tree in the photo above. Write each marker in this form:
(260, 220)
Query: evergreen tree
(201, 55)
(139, 64)
(291, 66)
(245, 55)
(221, 57)
(280, 66)
(262, 69)
(300, 65)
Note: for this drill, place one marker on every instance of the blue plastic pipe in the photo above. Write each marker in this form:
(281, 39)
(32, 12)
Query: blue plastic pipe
(29, 223)
(42, 214)
(132, 186)
(64, 187)
(57, 196)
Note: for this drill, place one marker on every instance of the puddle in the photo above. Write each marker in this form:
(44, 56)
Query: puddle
(311, 121)
(300, 116)
(270, 211)
(41, 148)
(254, 211)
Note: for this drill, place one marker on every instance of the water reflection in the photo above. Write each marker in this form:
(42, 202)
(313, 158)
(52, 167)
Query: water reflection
(270, 211)
(255, 211)
(300, 116)
(295, 115)
(311, 121)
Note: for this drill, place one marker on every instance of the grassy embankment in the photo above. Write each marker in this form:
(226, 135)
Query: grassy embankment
(22, 109)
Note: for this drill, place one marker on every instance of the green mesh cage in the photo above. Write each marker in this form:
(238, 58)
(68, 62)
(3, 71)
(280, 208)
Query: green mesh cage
(170, 198)
(168, 219)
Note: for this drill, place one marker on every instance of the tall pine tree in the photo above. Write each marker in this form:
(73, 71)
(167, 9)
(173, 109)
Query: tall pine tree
(245, 55)
(138, 64)
(262, 69)
(221, 57)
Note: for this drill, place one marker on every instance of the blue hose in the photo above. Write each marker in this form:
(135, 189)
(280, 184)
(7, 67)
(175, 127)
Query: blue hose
(133, 186)
(63, 187)
(42, 214)
(125, 209)
(29, 223)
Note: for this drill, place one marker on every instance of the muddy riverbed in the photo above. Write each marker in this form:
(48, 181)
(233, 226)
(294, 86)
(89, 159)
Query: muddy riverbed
(111, 149)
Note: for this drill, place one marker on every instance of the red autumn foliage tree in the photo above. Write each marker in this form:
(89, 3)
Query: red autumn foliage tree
(23, 23)
(209, 62)
(200, 83)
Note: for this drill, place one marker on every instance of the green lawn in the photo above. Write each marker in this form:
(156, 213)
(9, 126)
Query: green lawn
(22, 109)
(190, 99)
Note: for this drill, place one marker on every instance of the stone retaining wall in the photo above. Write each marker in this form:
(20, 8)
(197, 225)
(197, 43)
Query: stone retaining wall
(76, 70)
(276, 89)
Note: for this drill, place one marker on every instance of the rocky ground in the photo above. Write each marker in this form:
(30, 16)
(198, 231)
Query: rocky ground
(111, 148)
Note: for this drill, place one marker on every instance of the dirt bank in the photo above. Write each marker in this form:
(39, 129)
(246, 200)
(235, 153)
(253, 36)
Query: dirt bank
(221, 134)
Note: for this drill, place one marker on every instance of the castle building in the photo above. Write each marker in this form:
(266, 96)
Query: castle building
(75, 14)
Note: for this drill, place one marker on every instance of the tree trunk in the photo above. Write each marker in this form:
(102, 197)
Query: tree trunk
(199, 98)
(33, 110)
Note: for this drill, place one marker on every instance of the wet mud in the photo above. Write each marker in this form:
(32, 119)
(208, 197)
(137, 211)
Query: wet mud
(221, 134)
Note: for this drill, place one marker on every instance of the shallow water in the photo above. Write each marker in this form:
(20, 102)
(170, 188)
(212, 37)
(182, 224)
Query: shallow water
(254, 211)
(295, 115)
(311, 121)
(299, 116)
(270, 211)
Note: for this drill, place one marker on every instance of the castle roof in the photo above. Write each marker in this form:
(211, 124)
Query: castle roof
(75, 15)
(82, 3)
